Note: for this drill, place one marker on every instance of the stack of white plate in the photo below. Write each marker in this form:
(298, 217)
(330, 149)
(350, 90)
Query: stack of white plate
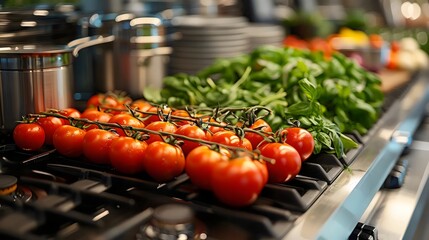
(203, 39)
(265, 34)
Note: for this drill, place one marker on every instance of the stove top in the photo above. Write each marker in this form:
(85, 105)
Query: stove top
(56, 197)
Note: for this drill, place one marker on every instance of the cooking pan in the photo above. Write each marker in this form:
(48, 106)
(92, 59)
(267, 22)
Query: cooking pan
(34, 78)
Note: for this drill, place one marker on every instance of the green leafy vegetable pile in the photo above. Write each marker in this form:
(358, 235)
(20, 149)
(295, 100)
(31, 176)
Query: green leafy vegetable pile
(329, 97)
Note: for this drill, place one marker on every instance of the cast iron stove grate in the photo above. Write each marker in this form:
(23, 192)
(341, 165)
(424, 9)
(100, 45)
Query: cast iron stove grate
(77, 192)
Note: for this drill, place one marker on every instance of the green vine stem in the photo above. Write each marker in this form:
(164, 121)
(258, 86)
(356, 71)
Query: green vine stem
(148, 131)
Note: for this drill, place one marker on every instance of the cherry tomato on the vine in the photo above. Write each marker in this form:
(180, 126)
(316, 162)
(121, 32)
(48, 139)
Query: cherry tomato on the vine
(287, 161)
(96, 145)
(125, 119)
(102, 99)
(111, 103)
(155, 117)
(229, 138)
(255, 138)
(126, 154)
(181, 113)
(69, 112)
(95, 115)
(237, 182)
(200, 163)
(192, 131)
(68, 140)
(159, 126)
(163, 161)
(212, 128)
(49, 125)
(246, 144)
(300, 139)
(29, 136)
(141, 105)
(123, 100)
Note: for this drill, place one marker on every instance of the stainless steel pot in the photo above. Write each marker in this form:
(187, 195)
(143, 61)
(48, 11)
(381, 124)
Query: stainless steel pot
(136, 60)
(141, 55)
(36, 78)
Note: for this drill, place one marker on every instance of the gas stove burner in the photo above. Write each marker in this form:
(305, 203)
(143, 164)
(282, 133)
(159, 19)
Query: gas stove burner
(16, 190)
(173, 221)
(23, 193)
(8, 184)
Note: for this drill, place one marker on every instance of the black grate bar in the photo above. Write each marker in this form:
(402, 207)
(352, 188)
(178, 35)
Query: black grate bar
(296, 195)
(79, 194)
(18, 223)
(119, 230)
(323, 166)
(272, 212)
(113, 179)
(6, 234)
(258, 223)
(352, 154)
(87, 184)
(73, 216)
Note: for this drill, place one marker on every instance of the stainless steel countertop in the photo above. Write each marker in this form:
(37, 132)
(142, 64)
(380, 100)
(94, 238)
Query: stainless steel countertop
(396, 213)
(335, 214)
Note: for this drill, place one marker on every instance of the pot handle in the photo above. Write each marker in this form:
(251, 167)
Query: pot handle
(81, 43)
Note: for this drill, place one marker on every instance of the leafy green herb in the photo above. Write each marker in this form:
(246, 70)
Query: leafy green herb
(330, 97)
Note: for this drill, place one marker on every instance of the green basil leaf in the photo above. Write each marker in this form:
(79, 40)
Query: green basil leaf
(325, 139)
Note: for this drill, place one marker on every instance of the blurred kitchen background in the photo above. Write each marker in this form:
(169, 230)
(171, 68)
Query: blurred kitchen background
(157, 38)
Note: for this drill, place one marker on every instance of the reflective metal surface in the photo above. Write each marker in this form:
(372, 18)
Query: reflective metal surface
(140, 54)
(34, 78)
(337, 211)
(396, 212)
(32, 91)
(32, 57)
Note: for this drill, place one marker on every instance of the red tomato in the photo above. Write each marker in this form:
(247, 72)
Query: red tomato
(140, 105)
(103, 100)
(295, 42)
(255, 138)
(119, 109)
(287, 162)
(95, 115)
(192, 131)
(163, 161)
(69, 112)
(181, 113)
(261, 164)
(126, 154)
(155, 117)
(246, 144)
(229, 138)
(159, 126)
(300, 139)
(29, 136)
(200, 163)
(320, 44)
(376, 41)
(212, 128)
(263, 169)
(68, 140)
(123, 100)
(49, 125)
(125, 119)
(96, 145)
(237, 182)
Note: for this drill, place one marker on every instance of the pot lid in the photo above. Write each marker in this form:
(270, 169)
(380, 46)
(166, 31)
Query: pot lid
(32, 57)
(37, 24)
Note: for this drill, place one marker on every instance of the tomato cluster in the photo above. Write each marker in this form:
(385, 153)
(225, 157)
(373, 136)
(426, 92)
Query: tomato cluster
(121, 133)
